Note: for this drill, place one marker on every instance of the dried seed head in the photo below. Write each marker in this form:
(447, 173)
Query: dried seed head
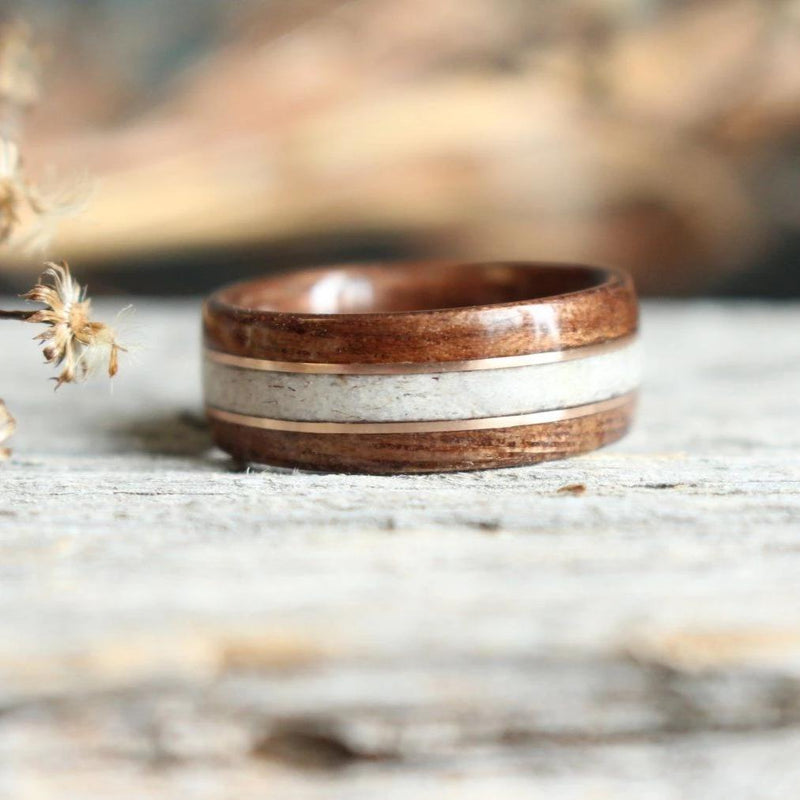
(29, 214)
(12, 190)
(72, 338)
(20, 65)
(49, 203)
(7, 427)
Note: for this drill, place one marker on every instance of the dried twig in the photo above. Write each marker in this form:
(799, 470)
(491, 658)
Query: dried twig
(23, 316)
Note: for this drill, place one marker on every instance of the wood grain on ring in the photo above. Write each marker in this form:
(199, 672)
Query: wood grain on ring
(517, 309)
(425, 452)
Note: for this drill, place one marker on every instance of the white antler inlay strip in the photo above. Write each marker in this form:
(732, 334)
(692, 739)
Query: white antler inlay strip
(439, 426)
(422, 396)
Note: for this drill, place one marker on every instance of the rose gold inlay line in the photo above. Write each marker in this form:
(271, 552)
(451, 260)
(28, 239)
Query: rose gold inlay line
(413, 368)
(433, 426)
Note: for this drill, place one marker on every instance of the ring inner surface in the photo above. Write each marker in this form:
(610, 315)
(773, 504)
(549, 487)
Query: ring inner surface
(411, 287)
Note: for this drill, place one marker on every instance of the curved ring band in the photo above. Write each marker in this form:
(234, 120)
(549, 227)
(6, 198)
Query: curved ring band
(421, 366)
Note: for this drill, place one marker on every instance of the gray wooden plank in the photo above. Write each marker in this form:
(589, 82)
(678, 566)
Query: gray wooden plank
(161, 607)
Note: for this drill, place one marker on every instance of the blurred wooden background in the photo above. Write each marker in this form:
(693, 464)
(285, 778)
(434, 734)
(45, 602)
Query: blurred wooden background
(659, 135)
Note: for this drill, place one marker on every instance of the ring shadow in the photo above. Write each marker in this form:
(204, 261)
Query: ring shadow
(181, 434)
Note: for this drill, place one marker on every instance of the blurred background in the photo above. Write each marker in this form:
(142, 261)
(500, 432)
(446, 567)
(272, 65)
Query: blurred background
(224, 139)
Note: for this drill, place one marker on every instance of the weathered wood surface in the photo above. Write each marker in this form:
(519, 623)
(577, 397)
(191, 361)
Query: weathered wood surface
(173, 626)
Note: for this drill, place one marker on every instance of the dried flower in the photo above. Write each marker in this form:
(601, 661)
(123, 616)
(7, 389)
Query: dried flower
(72, 338)
(7, 427)
(29, 214)
(12, 190)
(50, 205)
(19, 65)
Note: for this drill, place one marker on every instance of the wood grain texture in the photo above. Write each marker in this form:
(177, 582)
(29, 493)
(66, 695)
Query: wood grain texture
(523, 321)
(382, 453)
(172, 626)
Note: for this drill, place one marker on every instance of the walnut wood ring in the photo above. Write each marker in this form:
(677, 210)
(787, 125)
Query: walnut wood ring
(421, 366)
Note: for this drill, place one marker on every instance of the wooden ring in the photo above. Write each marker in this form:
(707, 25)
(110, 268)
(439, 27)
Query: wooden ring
(421, 366)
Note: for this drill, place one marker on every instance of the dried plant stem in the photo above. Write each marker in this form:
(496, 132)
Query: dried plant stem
(20, 315)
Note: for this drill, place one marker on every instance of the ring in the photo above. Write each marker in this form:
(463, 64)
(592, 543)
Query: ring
(421, 366)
